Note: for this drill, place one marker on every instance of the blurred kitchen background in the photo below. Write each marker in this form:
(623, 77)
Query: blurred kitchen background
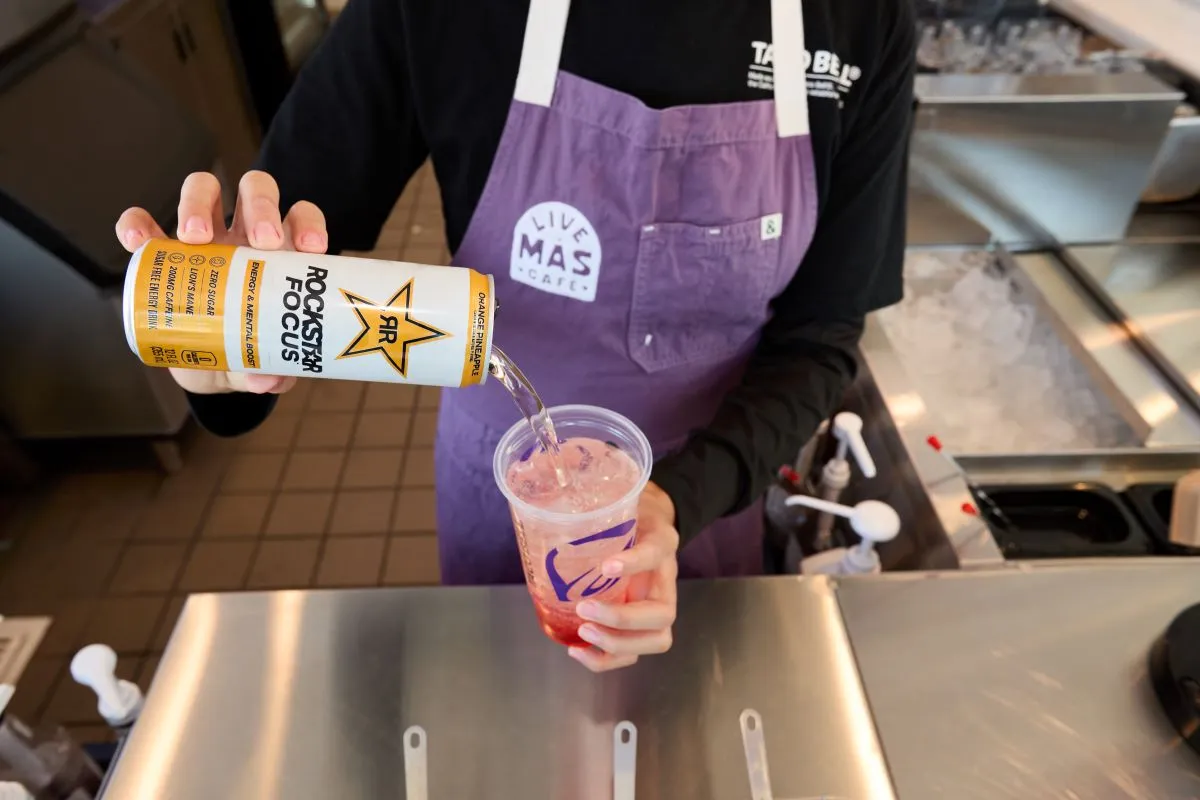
(1054, 234)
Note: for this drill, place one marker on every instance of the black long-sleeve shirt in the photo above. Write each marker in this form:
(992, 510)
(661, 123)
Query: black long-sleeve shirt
(399, 81)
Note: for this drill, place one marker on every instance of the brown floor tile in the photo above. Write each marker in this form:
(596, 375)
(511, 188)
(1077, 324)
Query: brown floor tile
(170, 518)
(236, 516)
(55, 514)
(166, 624)
(382, 429)
(294, 400)
(361, 512)
(426, 230)
(254, 472)
(392, 237)
(390, 397)
(118, 485)
(416, 512)
(351, 562)
(335, 396)
(424, 429)
(416, 253)
(70, 620)
(430, 397)
(126, 624)
(276, 433)
(75, 704)
(412, 561)
(91, 734)
(199, 478)
(316, 470)
(325, 430)
(109, 521)
(148, 568)
(418, 469)
(284, 565)
(82, 569)
(428, 215)
(34, 687)
(370, 469)
(147, 671)
(300, 514)
(217, 567)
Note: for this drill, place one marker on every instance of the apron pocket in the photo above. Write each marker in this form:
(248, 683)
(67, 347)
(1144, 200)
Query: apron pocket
(700, 292)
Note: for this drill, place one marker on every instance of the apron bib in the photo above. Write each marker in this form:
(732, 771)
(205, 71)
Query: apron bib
(635, 253)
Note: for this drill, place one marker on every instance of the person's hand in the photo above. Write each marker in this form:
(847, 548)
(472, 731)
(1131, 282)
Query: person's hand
(257, 223)
(620, 632)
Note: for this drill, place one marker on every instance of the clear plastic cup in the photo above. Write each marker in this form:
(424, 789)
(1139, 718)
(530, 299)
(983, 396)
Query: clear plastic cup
(562, 552)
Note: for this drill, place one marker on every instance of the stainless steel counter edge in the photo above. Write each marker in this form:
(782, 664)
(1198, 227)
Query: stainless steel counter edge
(305, 695)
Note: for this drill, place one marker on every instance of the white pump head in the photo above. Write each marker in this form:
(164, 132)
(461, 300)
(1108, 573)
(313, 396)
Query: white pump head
(847, 427)
(95, 666)
(11, 790)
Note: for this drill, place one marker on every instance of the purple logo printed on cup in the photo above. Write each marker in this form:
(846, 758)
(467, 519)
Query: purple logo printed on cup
(599, 584)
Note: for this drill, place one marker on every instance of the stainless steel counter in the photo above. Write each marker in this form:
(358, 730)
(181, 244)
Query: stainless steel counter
(990, 685)
(1156, 289)
(1023, 684)
(302, 695)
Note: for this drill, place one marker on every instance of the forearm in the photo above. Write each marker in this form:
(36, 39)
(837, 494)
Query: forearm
(792, 383)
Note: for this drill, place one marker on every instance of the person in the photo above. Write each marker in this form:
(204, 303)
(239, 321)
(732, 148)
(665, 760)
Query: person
(688, 207)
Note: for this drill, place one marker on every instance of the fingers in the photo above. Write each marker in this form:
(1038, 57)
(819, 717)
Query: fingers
(260, 384)
(305, 227)
(257, 215)
(599, 661)
(656, 542)
(200, 210)
(643, 615)
(628, 643)
(136, 227)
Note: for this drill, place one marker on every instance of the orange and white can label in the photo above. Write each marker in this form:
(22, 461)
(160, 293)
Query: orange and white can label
(227, 308)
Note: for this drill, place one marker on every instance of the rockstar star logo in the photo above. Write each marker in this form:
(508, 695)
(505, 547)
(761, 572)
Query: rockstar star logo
(389, 328)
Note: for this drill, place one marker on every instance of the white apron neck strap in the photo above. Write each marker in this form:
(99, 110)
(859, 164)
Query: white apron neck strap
(791, 80)
(547, 25)
(544, 31)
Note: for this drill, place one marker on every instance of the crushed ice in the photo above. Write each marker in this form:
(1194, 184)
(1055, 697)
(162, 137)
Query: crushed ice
(990, 368)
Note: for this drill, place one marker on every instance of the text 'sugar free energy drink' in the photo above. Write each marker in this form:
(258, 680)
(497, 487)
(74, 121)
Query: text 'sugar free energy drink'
(237, 309)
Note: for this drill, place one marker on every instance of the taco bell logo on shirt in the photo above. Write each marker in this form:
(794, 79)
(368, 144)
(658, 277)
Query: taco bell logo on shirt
(556, 249)
(829, 76)
(590, 581)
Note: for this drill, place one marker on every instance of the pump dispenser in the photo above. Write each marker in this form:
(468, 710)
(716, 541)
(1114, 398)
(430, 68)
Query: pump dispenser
(872, 520)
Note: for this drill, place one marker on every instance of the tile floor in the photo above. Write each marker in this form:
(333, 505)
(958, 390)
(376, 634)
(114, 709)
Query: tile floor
(335, 490)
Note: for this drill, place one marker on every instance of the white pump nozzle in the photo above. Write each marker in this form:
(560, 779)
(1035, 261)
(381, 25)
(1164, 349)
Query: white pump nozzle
(95, 666)
(11, 790)
(847, 427)
(873, 520)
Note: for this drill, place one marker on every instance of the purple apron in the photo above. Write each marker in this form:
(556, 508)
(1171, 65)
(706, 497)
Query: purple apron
(636, 252)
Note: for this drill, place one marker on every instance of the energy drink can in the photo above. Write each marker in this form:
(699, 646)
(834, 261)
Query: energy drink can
(236, 309)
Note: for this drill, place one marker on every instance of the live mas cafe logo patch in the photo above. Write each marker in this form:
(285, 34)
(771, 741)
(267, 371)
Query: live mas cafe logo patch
(556, 249)
(829, 76)
(389, 328)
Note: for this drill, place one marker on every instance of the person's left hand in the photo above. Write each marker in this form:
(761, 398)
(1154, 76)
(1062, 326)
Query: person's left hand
(620, 632)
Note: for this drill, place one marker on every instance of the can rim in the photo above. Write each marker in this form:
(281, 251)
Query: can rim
(127, 295)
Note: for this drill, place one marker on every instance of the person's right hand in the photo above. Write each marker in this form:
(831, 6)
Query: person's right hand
(257, 223)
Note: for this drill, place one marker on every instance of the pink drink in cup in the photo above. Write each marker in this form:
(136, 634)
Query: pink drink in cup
(565, 533)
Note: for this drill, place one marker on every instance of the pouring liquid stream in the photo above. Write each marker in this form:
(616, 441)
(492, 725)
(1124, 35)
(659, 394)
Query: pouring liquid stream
(530, 406)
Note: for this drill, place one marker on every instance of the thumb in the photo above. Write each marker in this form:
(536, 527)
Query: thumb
(260, 384)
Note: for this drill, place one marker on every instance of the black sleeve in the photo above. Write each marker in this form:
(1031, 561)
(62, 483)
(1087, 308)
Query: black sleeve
(346, 138)
(806, 357)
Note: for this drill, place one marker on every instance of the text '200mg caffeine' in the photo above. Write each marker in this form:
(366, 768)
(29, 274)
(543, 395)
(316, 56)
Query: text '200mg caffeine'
(222, 307)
